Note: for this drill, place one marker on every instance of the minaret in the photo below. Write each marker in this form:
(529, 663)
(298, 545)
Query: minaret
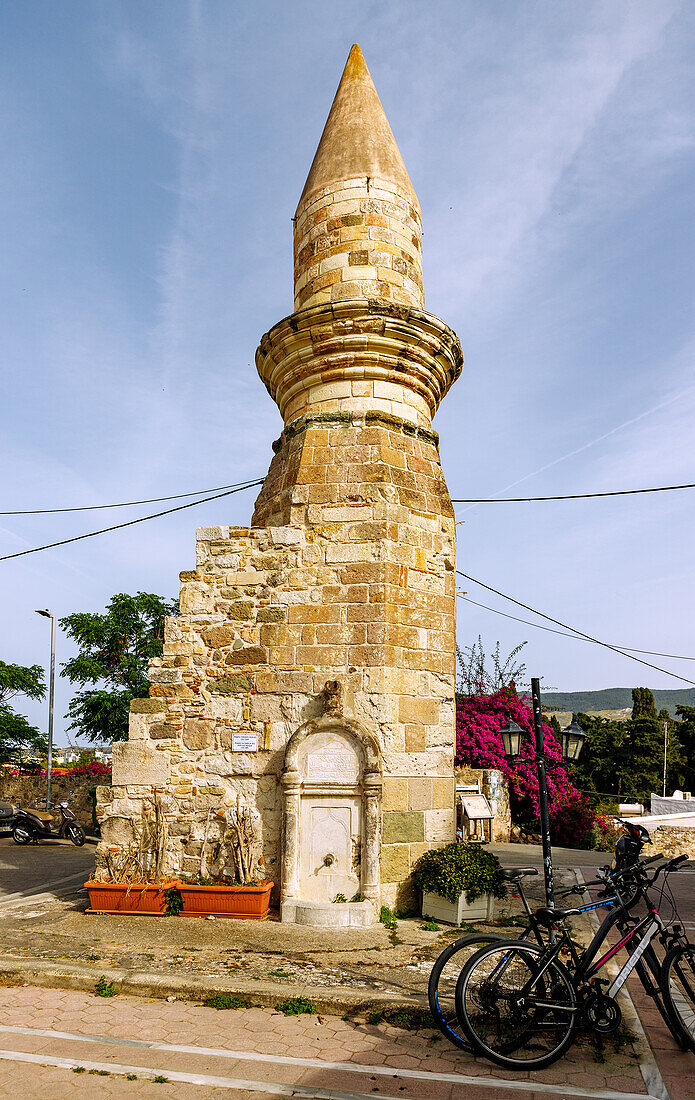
(310, 673)
(358, 371)
(359, 342)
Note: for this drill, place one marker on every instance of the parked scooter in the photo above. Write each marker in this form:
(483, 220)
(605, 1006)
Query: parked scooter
(30, 826)
(7, 812)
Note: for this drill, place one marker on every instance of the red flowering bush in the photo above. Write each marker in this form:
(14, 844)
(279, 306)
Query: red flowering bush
(479, 719)
(94, 769)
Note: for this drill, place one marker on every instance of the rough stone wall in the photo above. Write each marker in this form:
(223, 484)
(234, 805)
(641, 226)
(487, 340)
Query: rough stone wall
(495, 788)
(358, 238)
(673, 840)
(29, 791)
(362, 592)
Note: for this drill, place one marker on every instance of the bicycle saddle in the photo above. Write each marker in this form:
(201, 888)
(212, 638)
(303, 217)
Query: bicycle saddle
(515, 873)
(554, 916)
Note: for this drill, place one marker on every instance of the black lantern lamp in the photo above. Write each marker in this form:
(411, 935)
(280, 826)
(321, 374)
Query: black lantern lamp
(573, 738)
(511, 739)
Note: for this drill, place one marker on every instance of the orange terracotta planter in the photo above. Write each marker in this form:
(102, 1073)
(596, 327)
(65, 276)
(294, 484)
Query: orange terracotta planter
(244, 902)
(116, 897)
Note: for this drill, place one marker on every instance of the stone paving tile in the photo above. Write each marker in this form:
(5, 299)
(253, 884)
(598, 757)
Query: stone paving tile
(264, 1031)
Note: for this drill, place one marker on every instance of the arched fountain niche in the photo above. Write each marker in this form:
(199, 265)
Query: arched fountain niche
(331, 824)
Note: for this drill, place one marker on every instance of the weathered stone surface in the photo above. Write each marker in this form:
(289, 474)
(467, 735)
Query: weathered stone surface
(272, 615)
(147, 706)
(160, 730)
(403, 826)
(219, 636)
(241, 609)
(229, 685)
(395, 862)
(197, 734)
(138, 762)
(251, 655)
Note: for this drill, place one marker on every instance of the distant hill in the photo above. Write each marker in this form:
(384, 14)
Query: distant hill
(589, 702)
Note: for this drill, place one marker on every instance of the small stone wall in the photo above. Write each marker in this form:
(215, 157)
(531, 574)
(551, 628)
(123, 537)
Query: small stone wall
(674, 840)
(29, 792)
(494, 787)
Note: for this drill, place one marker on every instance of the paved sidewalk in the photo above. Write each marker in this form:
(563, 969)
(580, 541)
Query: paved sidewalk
(47, 1035)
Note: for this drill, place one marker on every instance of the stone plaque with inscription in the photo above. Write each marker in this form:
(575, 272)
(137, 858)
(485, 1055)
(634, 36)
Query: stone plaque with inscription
(136, 762)
(332, 761)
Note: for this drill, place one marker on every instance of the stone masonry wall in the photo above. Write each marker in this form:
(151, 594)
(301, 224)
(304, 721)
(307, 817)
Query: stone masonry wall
(362, 592)
(29, 791)
(359, 238)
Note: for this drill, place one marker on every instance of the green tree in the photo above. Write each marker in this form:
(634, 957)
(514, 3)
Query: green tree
(685, 732)
(17, 735)
(643, 705)
(627, 758)
(114, 650)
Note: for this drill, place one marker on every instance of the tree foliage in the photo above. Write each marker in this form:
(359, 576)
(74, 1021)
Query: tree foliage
(114, 650)
(17, 735)
(626, 759)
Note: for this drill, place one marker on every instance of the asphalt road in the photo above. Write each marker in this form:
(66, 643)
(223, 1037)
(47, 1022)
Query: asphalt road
(41, 867)
(681, 882)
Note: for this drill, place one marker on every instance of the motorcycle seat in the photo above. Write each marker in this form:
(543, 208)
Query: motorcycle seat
(41, 814)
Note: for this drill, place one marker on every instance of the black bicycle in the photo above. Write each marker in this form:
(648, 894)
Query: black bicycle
(441, 989)
(520, 1004)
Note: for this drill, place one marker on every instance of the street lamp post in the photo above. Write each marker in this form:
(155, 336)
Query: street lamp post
(51, 691)
(572, 741)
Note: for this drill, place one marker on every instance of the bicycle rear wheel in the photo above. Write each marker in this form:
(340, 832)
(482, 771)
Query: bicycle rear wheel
(514, 1010)
(441, 989)
(678, 990)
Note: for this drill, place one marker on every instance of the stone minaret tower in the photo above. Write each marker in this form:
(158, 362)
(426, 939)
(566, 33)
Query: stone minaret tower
(311, 672)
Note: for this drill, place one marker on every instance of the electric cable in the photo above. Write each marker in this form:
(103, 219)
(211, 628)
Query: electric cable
(455, 500)
(563, 634)
(130, 523)
(579, 633)
(567, 496)
(124, 504)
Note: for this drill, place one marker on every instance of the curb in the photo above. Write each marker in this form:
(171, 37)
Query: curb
(141, 983)
(648, 1065)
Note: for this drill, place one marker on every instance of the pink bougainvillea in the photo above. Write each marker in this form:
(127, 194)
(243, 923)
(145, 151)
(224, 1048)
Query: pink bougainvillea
(479, 719)
(94, 769)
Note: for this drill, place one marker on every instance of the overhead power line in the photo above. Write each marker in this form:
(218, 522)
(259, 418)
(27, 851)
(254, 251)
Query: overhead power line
(130, 523)
(124, 504)
(564, 634)
(455, 500)
(568, 496)
(579, 633)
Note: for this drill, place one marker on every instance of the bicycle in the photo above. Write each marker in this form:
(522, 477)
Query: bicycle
(441, 988)
(520, 1005)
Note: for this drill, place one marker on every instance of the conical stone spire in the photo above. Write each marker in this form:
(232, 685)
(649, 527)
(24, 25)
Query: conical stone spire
(357, 140)
(358, 228)
(359, 343)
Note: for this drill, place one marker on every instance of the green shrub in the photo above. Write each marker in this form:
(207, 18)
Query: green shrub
(387, 918)
(459, 868)
(104, 988)
(296, 1006)
(173, 901)
(225, 1000)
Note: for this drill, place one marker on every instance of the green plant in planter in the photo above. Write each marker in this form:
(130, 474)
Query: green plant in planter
(459, 868)
(173, 901)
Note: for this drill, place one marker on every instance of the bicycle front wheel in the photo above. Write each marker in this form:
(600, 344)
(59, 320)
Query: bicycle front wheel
(516, 1010)
(441, 990)
(678, 990)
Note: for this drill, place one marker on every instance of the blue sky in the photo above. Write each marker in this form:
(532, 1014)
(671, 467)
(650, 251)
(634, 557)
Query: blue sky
(152, 160)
